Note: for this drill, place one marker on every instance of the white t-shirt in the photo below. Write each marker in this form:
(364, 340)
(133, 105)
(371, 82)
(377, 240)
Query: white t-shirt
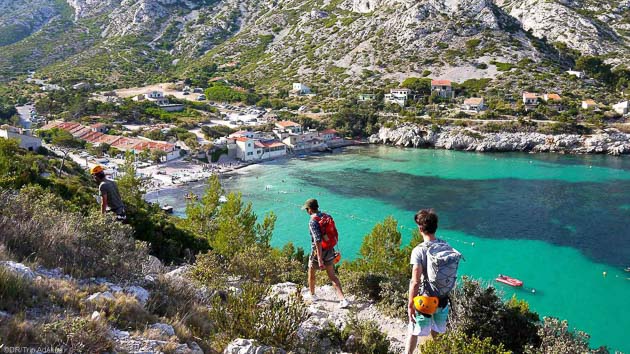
(419, 257)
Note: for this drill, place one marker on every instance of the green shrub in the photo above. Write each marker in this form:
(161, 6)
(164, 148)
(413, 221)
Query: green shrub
(458, 342)
(358, 336)
(76, 335)
(478, 311)
(557, 338)
(245, 315)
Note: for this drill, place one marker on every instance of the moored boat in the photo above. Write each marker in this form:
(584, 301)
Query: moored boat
(167, 209)
(508, 280)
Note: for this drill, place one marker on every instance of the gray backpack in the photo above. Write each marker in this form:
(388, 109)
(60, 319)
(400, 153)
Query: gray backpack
(442, 263)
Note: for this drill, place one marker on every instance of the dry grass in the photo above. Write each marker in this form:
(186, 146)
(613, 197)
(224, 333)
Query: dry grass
(125, 312)
(36, 226)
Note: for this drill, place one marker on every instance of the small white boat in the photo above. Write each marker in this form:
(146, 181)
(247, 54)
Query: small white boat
(167, 209)
(222, 199)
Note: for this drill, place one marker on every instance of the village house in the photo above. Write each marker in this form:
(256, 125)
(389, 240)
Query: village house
(589, 104)
(622, 107)
(248, 149)
(24, 137)
(158, 98)
(476, 104)
(553, 100)
(300, 89)
(443, 88)
(530, 99)
(99, 127)
(328, 134)
(366, 97)
(285, 127)
(398, 96)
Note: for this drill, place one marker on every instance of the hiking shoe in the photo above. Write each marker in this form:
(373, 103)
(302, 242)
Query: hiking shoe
(344, 304)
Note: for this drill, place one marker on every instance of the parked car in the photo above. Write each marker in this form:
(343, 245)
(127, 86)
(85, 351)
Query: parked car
(201, 98)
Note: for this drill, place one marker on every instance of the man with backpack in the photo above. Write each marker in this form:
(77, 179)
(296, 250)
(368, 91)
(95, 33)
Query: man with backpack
(433, 276)
(323, 240)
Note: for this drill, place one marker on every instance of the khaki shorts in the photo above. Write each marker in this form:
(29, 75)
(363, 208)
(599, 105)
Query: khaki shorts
(327, 255)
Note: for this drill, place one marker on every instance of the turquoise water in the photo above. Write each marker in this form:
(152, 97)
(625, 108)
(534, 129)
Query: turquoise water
(556, 222)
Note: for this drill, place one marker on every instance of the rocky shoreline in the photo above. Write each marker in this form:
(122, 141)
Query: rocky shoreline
(608, 141)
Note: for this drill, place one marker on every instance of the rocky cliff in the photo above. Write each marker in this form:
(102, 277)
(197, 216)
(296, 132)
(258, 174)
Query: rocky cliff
(344, 42)
(609, 141)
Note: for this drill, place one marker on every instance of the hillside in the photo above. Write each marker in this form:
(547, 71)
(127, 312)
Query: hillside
(329, 43)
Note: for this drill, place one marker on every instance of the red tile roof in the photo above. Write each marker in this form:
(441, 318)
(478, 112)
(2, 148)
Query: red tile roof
(287, 123)
(242, 138)
(440, 83)
(530, 95)
(553, 97)
(328, 131)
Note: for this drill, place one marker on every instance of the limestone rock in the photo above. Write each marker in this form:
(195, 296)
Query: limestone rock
(18, 269)
(250, 346)
(101, 296)
(140, 293)
(163, 328)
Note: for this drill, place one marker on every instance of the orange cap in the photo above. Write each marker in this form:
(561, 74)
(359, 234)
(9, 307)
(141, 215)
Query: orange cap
(96, 170)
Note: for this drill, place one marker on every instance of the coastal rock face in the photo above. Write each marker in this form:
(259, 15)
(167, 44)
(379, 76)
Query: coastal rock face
(609, 141)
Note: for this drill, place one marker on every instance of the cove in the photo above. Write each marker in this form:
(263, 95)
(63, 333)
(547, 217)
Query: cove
(554, 221)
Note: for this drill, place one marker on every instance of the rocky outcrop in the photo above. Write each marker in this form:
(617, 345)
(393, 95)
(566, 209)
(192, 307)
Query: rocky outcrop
(609, 141)
(250, 346)
(559, 23)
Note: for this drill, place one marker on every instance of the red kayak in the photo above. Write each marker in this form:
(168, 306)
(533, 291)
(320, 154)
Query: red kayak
(509, 280)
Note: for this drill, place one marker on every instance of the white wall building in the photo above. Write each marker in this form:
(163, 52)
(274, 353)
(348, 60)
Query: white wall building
(27, 142)
(476, 104)
(397, 96)
(300, 89)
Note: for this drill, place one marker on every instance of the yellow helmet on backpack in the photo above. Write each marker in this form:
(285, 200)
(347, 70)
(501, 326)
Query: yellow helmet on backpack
(426, 304)
(96, 170)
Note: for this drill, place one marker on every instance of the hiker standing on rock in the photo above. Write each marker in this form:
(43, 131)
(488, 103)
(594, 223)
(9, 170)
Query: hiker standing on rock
(322, 250)
(433, 276)
(108, 192)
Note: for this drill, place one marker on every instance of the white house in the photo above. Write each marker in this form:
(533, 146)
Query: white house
(246, 149)
(271, 148)
(578, 74)
(553, 100)
(27, 141)
(622, 107)
(589, 104)
(476, 104)
(530, 99)
(300, 89)
(398, 96)
(287, 126)
(158, 98)
(443, 88)
(328, 134)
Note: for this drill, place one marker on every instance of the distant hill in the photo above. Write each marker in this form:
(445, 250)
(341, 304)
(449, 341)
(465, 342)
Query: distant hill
(324, 42)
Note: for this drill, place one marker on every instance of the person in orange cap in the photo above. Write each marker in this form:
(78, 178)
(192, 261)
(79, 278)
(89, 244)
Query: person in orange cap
(108, 191)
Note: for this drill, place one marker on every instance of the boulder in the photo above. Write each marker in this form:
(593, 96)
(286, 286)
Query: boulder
(163, 329)
(18, 269)
(101, 296)
(140, 293)
(250, 346)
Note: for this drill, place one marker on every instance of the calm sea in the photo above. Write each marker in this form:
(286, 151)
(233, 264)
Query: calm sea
(557, 222)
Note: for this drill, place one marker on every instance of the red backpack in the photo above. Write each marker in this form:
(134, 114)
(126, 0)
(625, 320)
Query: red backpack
(330, 236)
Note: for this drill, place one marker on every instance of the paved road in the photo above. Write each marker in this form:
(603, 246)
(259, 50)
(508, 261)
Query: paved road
(25, 116)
